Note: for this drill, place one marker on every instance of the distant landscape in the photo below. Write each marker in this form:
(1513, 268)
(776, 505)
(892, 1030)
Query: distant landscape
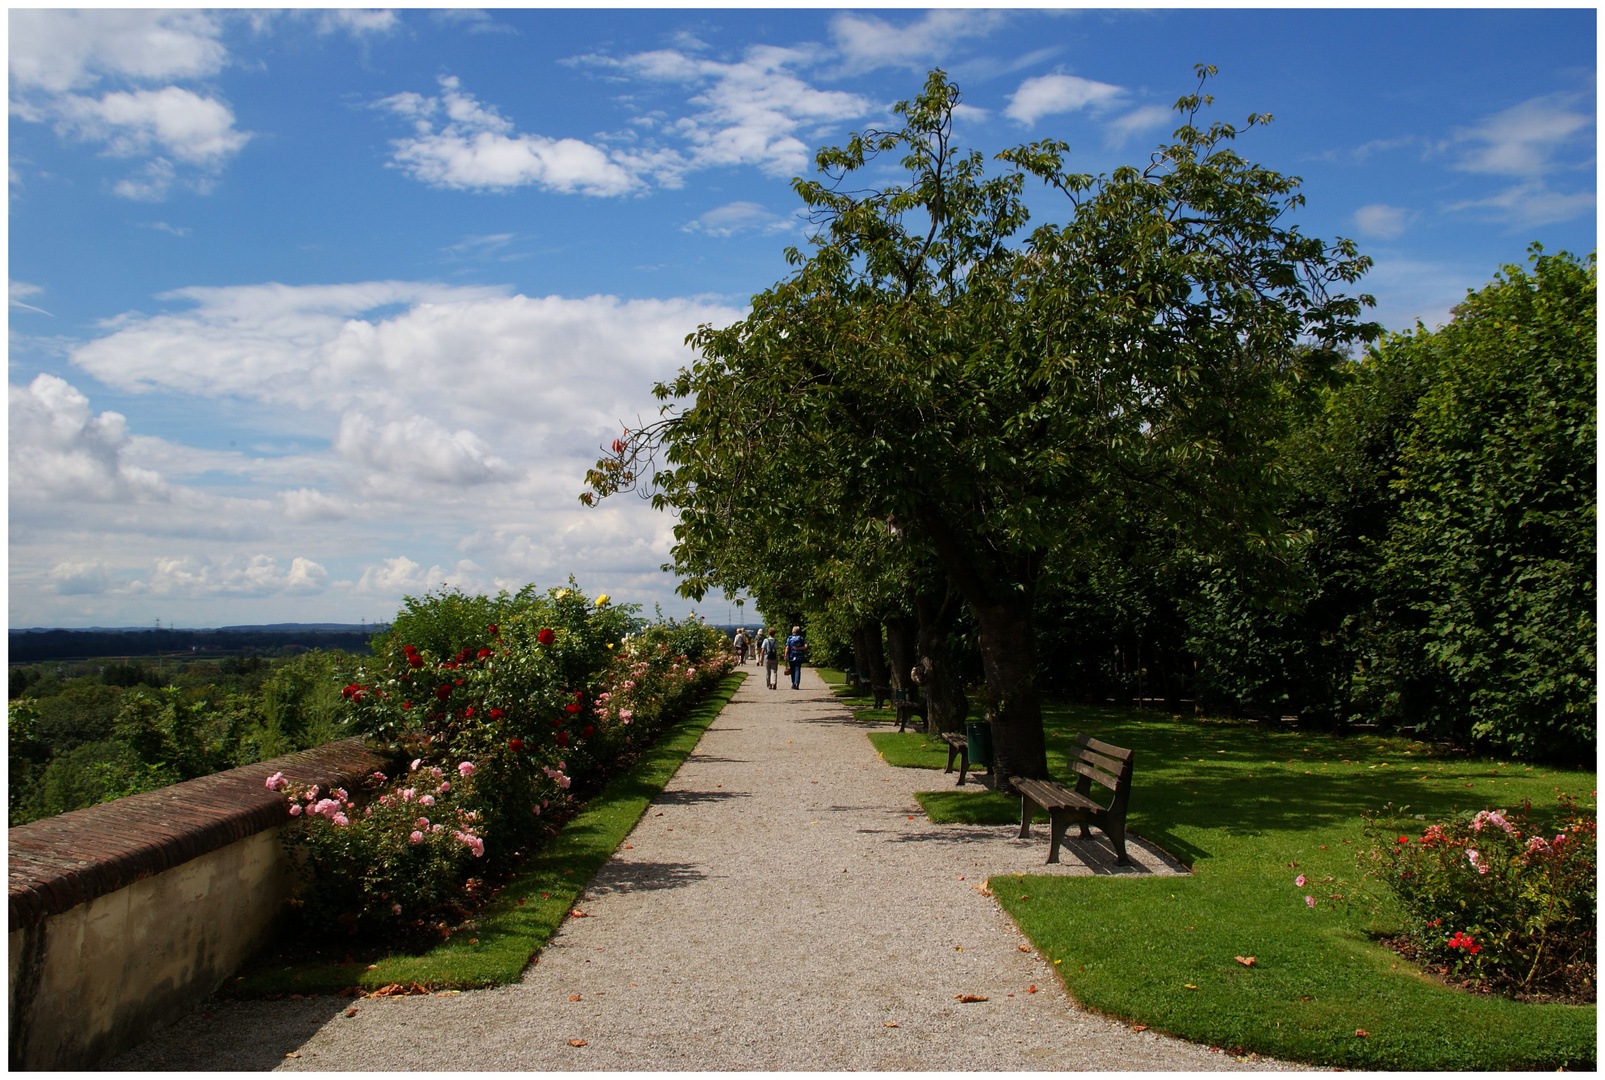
(44, 644)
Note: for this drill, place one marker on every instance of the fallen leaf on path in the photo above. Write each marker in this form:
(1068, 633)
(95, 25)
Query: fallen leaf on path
(1031, 990)
(292, 1055)
(1023, 948)
(1246, 961)
(574, 997)
(295, 997)
(351, 1011)
(967, 998)
(578, 915)
(578, 1042)
(1139, 1027)
(890, 1023)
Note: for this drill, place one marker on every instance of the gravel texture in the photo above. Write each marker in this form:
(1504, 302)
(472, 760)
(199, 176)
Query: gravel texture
(783, 905)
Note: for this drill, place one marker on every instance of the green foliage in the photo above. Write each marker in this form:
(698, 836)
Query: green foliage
(1500, 899)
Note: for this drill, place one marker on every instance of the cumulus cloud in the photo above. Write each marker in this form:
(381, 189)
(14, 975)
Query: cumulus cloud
(1381, 221)
(57, 50)
(1046, 95)
(200, 577)
(58, 58)
(867, 43)
(741, 216)
(357, 21)
(87, 578)
(460, 143)
(400, 576)
(419, 448)
(61, 450)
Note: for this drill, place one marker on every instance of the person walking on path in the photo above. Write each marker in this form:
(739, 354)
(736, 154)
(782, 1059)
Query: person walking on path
(795, 647)
(769, 651)
(741, 645)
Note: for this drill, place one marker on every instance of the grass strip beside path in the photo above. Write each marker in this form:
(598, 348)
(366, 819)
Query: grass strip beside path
(1250, 808)
(510, 929)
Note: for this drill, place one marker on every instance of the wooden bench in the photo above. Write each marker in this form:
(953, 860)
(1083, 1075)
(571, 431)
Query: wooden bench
(1095, 762)
(907, 708)
(958, 745)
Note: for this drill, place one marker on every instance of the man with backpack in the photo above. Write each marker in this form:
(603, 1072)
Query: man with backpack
(795, 647)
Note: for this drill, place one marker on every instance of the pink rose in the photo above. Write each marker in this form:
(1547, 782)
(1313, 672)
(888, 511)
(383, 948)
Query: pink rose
(395, 909)
(445, 786)
(295, 809)
(438, 828)
(1310, 900)
(1299, 881)
(426, 800)
(417, 761)
(277, 781)
(416, 837)
(340, 819)
(421, 823)
(465, 769)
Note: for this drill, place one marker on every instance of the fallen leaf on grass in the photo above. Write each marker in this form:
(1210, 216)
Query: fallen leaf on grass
(1189, 986)
(574, 997)
(966, 998)
(1246, 961)
(1023, 896)
(578, 1042)
(1361, 1033)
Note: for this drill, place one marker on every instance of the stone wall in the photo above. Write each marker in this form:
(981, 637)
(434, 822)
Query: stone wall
(126, 915)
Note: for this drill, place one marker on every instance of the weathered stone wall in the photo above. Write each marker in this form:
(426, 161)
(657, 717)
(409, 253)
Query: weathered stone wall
(124, 916)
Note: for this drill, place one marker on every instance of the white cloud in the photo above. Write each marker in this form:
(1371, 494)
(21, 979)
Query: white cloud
(198, 576)
(60, 450)
(1144, 118)
(19, 289)
(1530, 204)
(162, 226)
(305, 504)
(459, 143)
(357, 21)
(1381, 221)
(740, 216)
(418, 448)
(1525, 139)
(56, 54)
(751, 111)
(1046, 95)
(85, 578)
(400, 576)
(867, 43)
(57, 50)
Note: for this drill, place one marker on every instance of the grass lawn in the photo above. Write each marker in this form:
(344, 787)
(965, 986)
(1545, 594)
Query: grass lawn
(1250, 808)
(510, 929)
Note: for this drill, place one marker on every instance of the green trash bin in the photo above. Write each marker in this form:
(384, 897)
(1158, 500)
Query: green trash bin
(980, 735)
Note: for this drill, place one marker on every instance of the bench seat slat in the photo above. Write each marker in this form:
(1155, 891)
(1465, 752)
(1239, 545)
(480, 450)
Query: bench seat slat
(1051, 796)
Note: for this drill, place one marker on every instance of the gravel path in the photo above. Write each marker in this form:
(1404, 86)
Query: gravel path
(784, 905)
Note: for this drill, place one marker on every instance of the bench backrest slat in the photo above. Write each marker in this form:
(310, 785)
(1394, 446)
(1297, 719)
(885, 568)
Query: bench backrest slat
(1106, 749)
(1096, 775)
(1107, 764)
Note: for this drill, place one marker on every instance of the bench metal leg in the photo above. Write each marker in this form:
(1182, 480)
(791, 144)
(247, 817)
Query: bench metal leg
(952, 752)
(964, 765)
(1117, 837)
(1028, 810)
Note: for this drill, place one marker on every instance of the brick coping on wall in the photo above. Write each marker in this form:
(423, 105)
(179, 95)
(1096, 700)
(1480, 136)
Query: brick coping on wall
(63, 861)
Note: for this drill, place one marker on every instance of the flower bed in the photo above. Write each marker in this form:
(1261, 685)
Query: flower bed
(509, 708)
(1494, 900)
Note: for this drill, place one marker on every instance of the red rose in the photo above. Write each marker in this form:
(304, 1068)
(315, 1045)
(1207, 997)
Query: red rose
(414, 660)
(493, 630)
(409, 649)
(482, 654)
(516, 745)
(469, 712)
(546, 637)
(562, 738)
(406, 704)
(585, 732)
(496, 714)
(443, 691)
(571, 708)
(460, 682)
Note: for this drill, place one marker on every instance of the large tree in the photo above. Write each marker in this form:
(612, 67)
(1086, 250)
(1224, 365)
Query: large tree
(1007, 397)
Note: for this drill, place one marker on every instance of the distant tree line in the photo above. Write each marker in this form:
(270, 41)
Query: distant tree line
(36, 646)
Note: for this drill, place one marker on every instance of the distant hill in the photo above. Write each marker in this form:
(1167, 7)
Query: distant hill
(39, 644)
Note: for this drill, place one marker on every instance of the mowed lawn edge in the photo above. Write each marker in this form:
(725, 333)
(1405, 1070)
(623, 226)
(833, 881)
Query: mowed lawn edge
(1251, 808)
(509, 930)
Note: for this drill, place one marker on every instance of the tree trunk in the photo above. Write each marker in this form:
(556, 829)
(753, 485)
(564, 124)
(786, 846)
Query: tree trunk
(854, 681)
(902, 649)
(946, 707)
(874, 654)
(1008, 656)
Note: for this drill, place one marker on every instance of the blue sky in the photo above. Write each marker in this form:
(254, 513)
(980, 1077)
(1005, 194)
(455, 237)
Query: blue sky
(312, 310)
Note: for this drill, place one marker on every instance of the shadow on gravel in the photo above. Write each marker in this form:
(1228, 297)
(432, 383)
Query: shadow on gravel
(715, 758)
(836, 719)
(632, 877)
(236, 1036)
(692, 798)
(1094, 853)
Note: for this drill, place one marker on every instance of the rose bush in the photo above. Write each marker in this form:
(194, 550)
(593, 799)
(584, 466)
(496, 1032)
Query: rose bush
(1498, 898)
(544, 694)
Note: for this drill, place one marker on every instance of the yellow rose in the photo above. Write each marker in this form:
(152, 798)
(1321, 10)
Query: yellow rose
(600, 600)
